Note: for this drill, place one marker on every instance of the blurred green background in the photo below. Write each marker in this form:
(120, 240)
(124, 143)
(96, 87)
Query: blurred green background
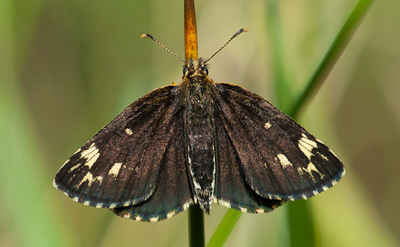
(69, 67)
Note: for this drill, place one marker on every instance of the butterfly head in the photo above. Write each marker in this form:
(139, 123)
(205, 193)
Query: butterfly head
(195, 68)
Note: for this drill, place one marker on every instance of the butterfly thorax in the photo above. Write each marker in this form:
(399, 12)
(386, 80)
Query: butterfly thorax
(200, 151)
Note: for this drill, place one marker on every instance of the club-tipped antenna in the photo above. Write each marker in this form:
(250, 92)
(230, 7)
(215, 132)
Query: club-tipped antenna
(146, 35)
(234, 36)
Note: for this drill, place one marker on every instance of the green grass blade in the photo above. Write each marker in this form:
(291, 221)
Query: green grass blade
(301, 224)
(282, 87)
(331, 56)
(300, 218)
(224, 228)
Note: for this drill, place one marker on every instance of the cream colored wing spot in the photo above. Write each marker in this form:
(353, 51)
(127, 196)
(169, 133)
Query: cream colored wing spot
(90, 179)
(283, 160)
(154, 219)
(306, 146)
(224, 203)
(91, 155)
(115, 169)
(310, 169)
(129, 131)
(187, 205)
(260, 211)
(170, 214)
(244, 210)
(74, 167)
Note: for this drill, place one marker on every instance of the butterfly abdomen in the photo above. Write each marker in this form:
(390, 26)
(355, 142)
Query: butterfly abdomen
(199, 139)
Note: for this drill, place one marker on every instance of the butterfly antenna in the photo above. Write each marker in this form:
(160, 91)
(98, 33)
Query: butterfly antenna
(146, 35)
(234, 36)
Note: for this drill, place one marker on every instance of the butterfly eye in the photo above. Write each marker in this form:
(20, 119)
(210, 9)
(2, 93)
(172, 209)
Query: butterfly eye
(205, 70)
(185, 70)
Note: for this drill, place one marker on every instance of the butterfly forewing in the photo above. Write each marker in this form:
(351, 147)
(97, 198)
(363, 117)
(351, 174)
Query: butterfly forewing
(120, 165)
(279, 159)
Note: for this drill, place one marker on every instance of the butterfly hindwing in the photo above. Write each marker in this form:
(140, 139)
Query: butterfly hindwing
(231, 189)
(120, 165)
(279, 159)
(173, 193)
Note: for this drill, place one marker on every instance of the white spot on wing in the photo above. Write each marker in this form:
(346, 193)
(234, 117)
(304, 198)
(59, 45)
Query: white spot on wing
(267, 125)
(128, 131)
(306, 145)
(305, 139)
(224, 203)
(274, 197)
(127, 216)
(170, 214)
(260, 211)
(91, 155)
(154, 219)
(74, 167)
(310, 169)
(90, 179)
(244, 210)
(283, 160)
(324, 157)
(186, 205)
(115, 169)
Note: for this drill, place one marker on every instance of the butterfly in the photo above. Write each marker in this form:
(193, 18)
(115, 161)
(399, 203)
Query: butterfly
(198, 142)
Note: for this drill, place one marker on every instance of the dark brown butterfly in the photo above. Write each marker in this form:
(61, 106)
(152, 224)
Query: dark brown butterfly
(198, 142)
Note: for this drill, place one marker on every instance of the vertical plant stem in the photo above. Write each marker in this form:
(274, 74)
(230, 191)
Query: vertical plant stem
(196, 226)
